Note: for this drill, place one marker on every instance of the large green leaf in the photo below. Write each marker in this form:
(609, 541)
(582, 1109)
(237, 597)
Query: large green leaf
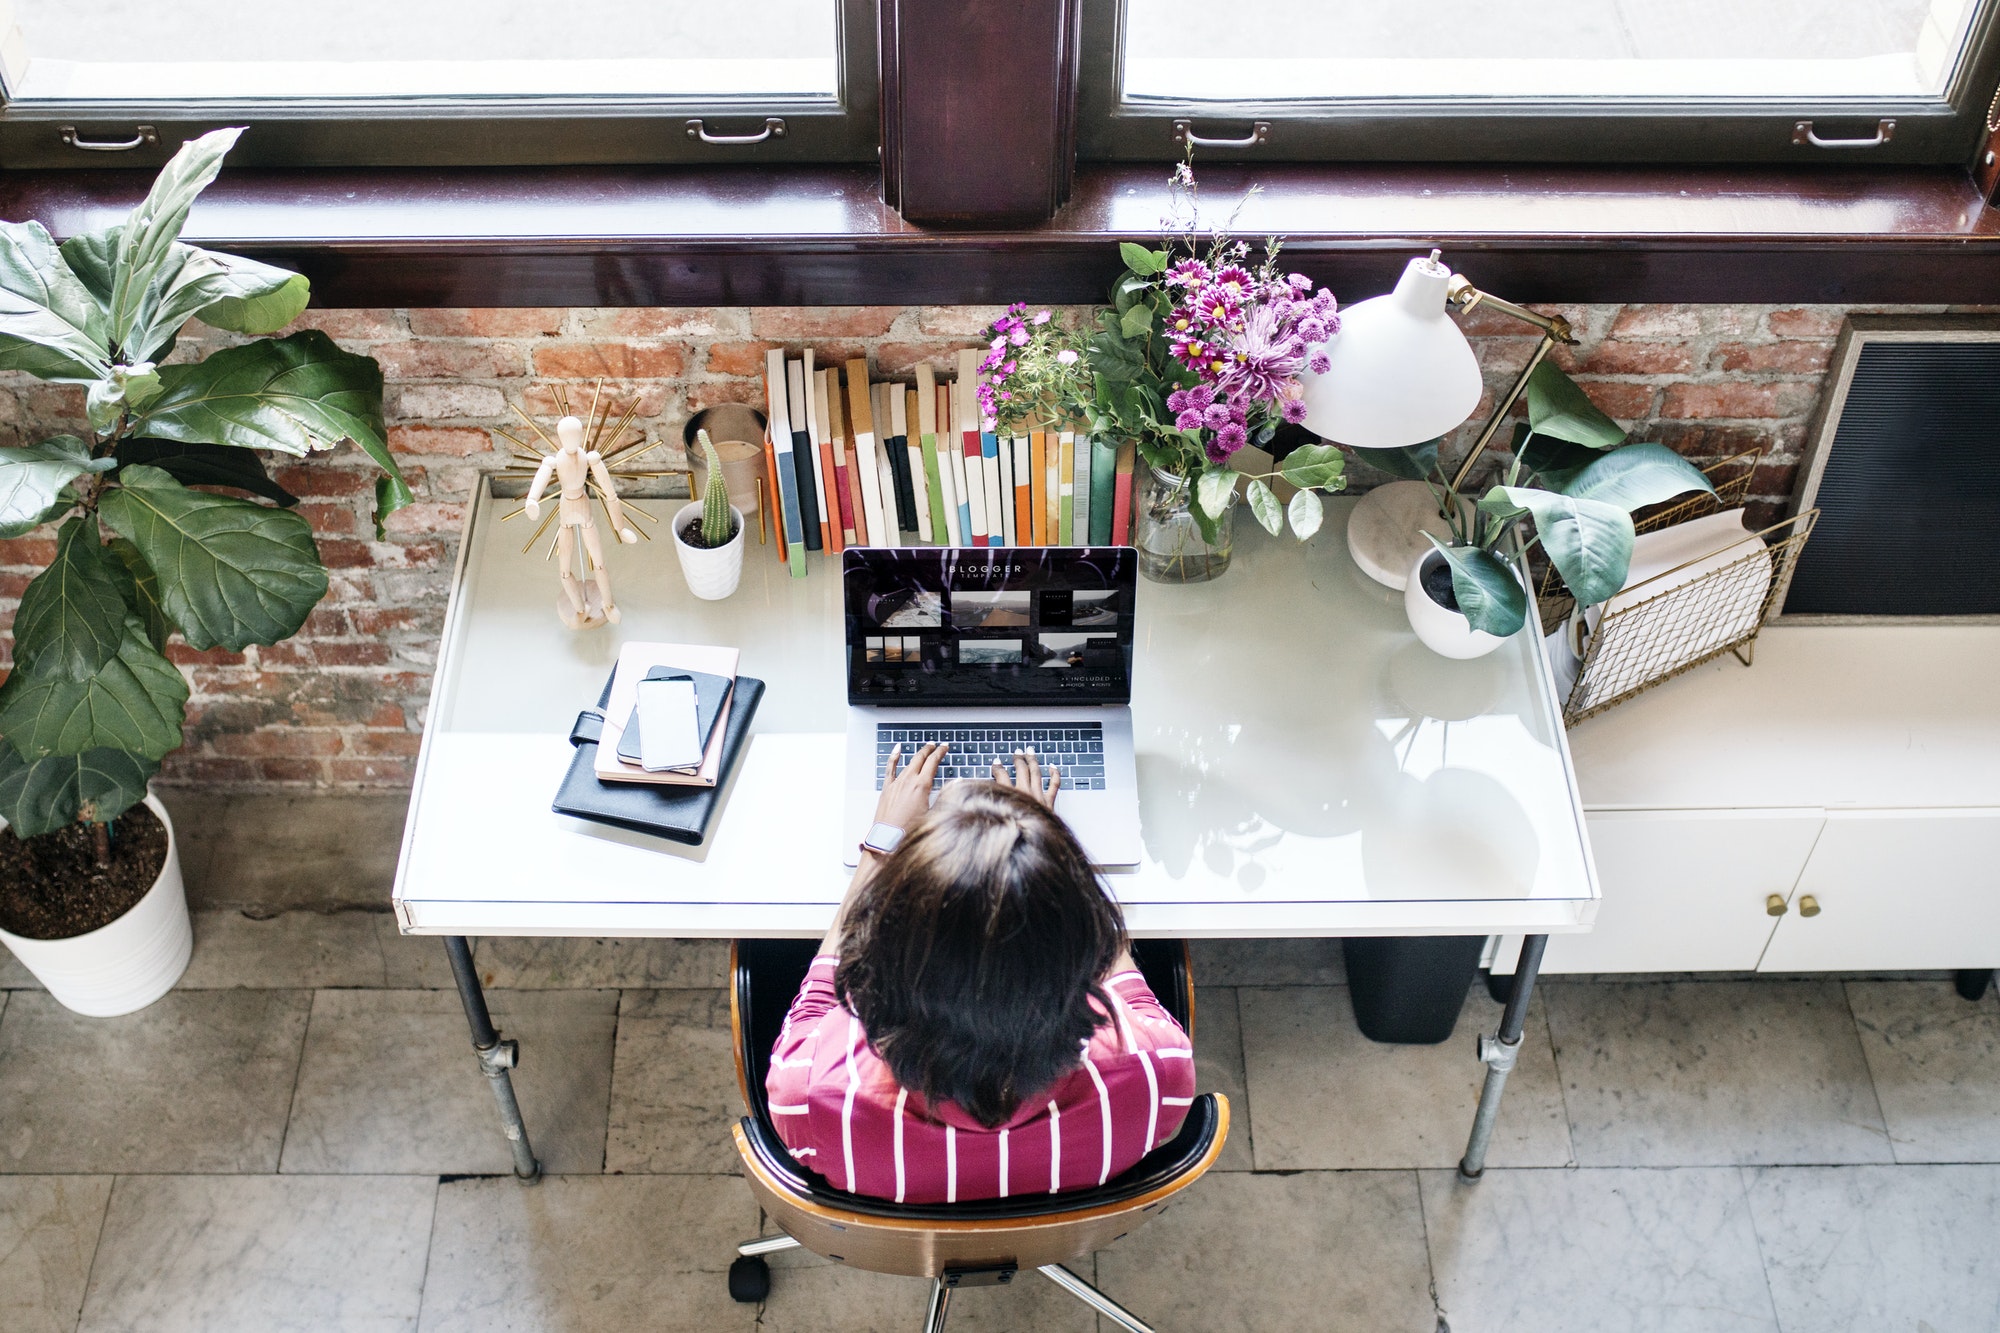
(295, 394)
(1216, 491)
(206, 465)
(145, 241)
(1306, 513)
(39, 796)
(1549, 462)
(1489, 596)
(1588, 541)
(1141, 260)
(232, 573)
(1558, 407)
(225, 291)
(72, 617)
(50, 324)
(1264, 507)
(141, 588)
(1636, 476)
(1414, 462)
(32, 479)
(1314, 465)
(134, 702)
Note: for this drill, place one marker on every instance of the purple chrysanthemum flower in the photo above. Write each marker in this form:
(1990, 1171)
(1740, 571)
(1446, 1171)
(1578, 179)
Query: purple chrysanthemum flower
(1217, 416)
(1189, 419)
(1187, 273)
(1177, 401)
(1201, 395)
(1293, 410)
(1312, 329)
(1319, 363)
(1231, 438)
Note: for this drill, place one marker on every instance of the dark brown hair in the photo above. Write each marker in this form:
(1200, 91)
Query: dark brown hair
(973, 958)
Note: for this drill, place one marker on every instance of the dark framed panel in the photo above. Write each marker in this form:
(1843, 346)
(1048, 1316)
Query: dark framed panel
(475, 131)
(1903, 463)
(1533, 125)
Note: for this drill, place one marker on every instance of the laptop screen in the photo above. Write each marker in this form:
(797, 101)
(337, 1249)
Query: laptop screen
(1010, 625)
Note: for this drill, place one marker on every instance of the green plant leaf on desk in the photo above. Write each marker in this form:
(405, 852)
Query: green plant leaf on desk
(1215, 491)
(1636, 476)
(1588, 541)
(1489, 596)
(1312, 465)
(1558, 406)
(1264, 507)
(232, 572)
(39, 796)
(1306, 512)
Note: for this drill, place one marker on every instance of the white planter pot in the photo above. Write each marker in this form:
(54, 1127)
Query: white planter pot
(127, 964)
(711, 574)
(1446, 633)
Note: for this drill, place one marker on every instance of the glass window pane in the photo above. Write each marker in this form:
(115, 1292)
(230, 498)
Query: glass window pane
(1677, 50)
(146, 50)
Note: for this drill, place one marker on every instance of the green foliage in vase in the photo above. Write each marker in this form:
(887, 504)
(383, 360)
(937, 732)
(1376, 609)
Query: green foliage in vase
(718, 525)
(93, 705)
(1573, 481)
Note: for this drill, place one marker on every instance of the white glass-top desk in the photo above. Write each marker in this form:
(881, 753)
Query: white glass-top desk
(1306, 767)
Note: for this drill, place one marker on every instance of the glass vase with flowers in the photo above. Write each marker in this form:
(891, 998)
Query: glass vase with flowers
(1197, 359)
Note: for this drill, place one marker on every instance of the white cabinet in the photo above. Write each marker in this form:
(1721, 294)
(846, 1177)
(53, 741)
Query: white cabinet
(1891, 890)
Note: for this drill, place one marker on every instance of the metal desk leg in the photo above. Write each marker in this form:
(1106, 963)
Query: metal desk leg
(1497, 1054)
(496, 1057)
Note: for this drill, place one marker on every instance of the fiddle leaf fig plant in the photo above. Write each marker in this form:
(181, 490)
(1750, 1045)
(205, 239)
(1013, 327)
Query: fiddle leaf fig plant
(1572, 480)
(92, 704)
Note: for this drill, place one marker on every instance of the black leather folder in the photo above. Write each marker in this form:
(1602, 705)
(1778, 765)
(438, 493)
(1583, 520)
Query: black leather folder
(681, 814)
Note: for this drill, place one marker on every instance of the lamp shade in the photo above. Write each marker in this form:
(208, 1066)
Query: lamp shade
(1400, 373)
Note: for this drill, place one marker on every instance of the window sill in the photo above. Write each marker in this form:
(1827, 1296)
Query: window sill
(822, 236)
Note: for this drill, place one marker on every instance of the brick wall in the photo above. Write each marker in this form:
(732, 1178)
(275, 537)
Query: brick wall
(342, 703)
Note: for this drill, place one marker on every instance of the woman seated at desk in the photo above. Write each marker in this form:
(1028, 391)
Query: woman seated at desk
(973, 1026)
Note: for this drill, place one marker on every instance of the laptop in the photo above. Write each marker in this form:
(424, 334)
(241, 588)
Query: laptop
(996, 650)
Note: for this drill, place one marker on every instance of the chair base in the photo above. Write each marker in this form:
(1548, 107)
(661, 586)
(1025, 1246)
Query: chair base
(750, 1281)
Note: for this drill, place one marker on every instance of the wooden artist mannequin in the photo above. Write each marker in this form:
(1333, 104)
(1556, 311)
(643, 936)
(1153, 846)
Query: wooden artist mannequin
(574, 468)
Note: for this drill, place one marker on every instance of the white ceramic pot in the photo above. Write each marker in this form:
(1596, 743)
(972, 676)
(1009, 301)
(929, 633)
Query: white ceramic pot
(711, 574)
(128, 964)
(1446, 633)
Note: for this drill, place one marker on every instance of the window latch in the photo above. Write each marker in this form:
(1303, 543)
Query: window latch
(1185, 137)
(1802, 134)
(774, 128)
(142, 135)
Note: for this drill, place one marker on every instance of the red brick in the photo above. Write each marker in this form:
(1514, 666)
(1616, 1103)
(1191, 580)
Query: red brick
(359, 325)
(346, 554)
(649, 400)
(327, 622)
(1776, 478)
(1793, 358)
(440, 360)
(323, 479)
(1625, 401)
(208, 772)
(587, 361)
(1613, 357)
(1503, 357)
(181, 655)
(276, 743)
(658, 322)
(394, 743)
(388, 620)
(381, 772)
(388, 717)
(1738, 400)
(1485, 322)
(36, 549)
(902, 359)
(495, 322)
(1817, 321)
(456, 441)
(1707, 440)
(327, 519)
(707, 393)
(450, 401)
(739, 358)
(13, 585)
(958, 321)
(291, 770)
(323, 652)
(794, 323)
(1657, 321)
(427, 519)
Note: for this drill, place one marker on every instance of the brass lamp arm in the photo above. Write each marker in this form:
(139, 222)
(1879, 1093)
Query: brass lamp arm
(1555, 329)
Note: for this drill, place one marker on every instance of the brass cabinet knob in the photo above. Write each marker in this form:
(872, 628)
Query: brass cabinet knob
(1775, 905)
(1808, 906)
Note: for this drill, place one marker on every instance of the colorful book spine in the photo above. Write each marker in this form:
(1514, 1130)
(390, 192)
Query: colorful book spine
(920, 491)
(1008, 537)
(968, 443)
(1066, 480)
(861, 415)
(802, 453)
(1038, 488)
(855, 497)
(776, 391)
(843, 452)
(950, 482)
(1083, 496)
(897, 449)
(1103, 474)
(1023, 525)
(822, 451)
(933, 515)
(774, 504)
(989, 459)
(1052, 493)
(1121, 496)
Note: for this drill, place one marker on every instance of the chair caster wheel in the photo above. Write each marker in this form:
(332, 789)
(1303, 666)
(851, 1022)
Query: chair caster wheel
(749, 1279)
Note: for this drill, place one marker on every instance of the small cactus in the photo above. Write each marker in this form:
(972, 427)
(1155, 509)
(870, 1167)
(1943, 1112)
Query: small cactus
(717, 523)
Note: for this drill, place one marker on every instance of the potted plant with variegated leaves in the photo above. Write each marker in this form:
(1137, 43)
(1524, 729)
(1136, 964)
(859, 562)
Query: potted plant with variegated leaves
(90, 889)
(708, 533)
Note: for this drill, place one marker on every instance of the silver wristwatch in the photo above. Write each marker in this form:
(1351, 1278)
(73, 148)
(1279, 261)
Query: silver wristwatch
(881, 839)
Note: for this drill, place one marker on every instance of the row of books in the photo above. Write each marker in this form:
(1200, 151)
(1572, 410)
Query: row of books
(879, 463)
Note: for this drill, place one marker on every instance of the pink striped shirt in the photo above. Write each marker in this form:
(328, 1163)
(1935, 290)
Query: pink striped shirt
(842, 1113)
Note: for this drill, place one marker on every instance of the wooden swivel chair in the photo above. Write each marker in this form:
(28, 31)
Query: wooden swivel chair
(984, 1243)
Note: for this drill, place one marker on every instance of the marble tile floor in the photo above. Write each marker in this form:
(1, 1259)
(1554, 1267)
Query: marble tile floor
(297, 1139)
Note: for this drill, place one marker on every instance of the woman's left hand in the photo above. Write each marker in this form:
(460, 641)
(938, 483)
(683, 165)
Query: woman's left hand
(906, 791)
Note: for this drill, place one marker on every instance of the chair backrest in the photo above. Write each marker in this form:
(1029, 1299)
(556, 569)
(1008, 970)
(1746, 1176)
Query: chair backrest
(924, 1240)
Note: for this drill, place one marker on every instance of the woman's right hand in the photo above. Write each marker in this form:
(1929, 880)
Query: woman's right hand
(1028, 777)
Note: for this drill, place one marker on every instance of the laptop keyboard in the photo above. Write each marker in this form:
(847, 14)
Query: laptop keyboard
(1077, 749)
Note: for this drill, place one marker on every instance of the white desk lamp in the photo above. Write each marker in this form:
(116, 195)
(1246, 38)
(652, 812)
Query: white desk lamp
(1402, 373)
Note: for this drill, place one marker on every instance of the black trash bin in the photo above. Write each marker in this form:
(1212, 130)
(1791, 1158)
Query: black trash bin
(1409, 989)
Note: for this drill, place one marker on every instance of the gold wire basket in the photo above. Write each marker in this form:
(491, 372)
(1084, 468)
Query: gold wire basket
(1685, 621)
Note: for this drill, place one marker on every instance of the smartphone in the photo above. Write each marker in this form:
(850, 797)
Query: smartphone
(669, 736)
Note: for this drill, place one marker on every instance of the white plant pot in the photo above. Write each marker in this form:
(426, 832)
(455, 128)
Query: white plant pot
(128, 964)
(1446, 633)
(711, 574)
